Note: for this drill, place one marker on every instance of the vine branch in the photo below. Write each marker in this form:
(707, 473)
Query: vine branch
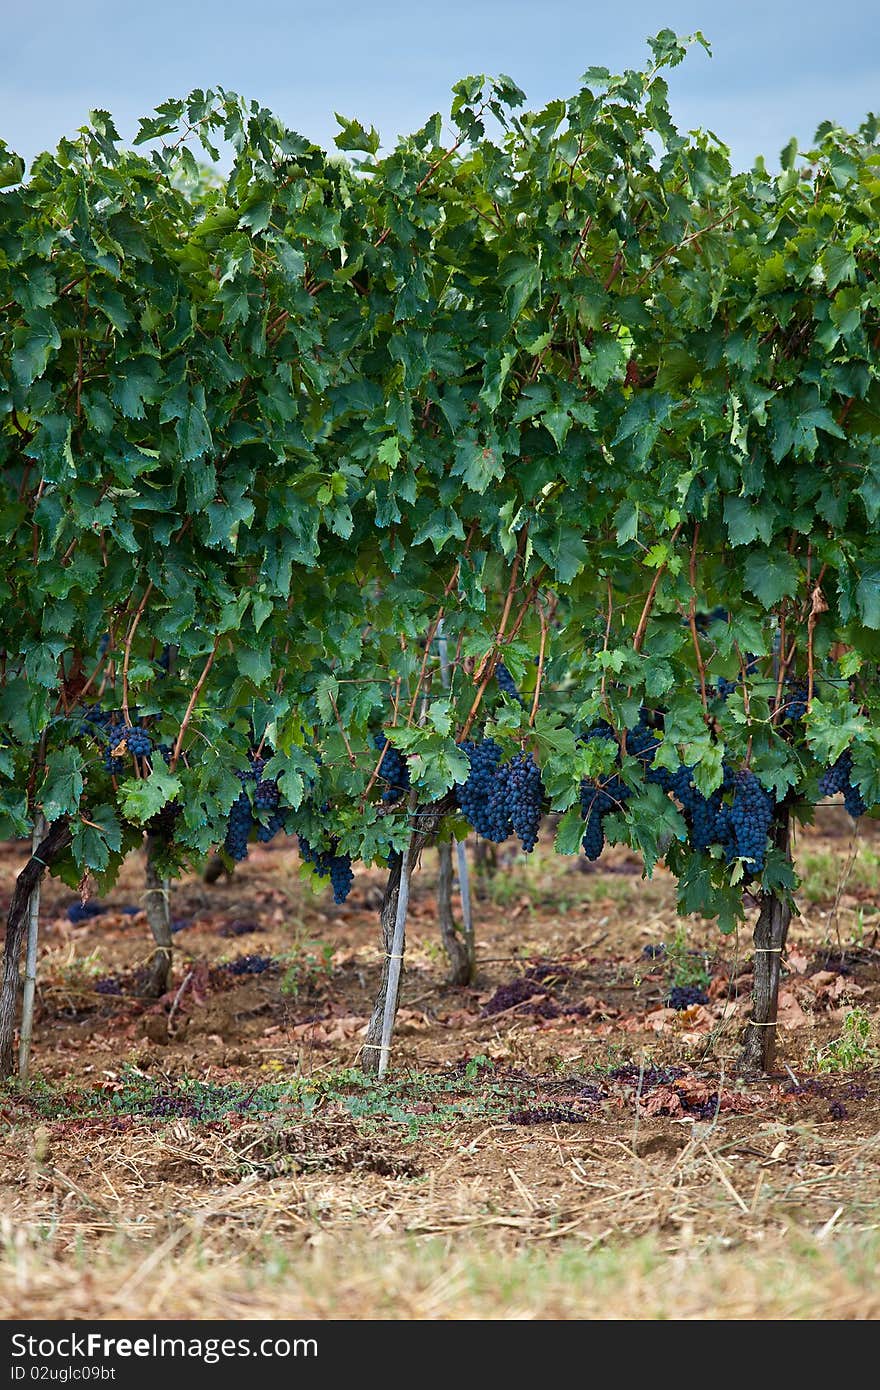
(192, 704)
(127, 653)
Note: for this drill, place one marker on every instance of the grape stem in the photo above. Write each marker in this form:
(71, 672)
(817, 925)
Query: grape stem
(817, 607)
(508, 603)
(746, 698)
(348, 748)
(649, 601)
(433, 629)
(192, 704)
(447, 154)
(780, 675)
(541, 651)
(692, 621)
(486, 668)
(127, 655)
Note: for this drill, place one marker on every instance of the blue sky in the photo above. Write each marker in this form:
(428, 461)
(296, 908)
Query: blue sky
(779, 68)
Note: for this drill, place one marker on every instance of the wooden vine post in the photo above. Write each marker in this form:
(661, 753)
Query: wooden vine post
(30, 971)
(760, 1040)
(157, 904)
(425, 823)
(459, 945)
(395, 958)
(50, 848)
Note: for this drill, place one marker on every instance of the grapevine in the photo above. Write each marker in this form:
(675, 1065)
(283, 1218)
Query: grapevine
(260, 435)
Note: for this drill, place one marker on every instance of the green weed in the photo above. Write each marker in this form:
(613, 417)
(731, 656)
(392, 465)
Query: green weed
(308, 963)
(852, 1051)
(685, 966)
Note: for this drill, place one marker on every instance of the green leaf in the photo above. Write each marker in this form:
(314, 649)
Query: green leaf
(293, 262)
(477, 464)
(41, 663)
(258, 212)
(771, 575)
(652, 822)
(292, 786)
(388, 451)
(63, 784)
(779, 876)
(749, 519)
(353, 136)
(96, 835)
(627, 522)
(437, 767)
(832, 728)
(570, 832)
(114, 306)
(563, 549)
(794, 427)
(605, 360)
(866, 769)
(143, 798)
(869, 490)
(136, 382)
(698, 892)
(868, 598)
(643, 420)
(254, 663)
(521, 277)
(839, 265)
(193, 433)
(33, 346)
(11, 167)
(708, 766)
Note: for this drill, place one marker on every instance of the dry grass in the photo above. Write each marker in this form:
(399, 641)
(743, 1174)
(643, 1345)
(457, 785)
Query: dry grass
(787, 1275)
(335, 1219)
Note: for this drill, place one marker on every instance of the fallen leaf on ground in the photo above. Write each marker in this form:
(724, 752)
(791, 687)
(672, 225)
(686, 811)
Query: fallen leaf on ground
(790, 1014)
(663, 1101)
(830, 988)
(412, 1021)
(696, 1019)
(330, 1029)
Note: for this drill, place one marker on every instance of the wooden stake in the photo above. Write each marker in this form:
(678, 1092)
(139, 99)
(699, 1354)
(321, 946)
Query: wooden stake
(30, 969)
(395, 957)
(464, 882)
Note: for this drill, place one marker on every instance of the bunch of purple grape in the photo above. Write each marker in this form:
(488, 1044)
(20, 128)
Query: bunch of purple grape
(526, 795)
(751, 816)
(598, 799)
(394, 772)
(838, 778)
(685, 996)
(481, 798)
(507, 685)
(239, 827)
(795, 706)
(707, 817)
(329, 864)
(250, 965)
(266, 796)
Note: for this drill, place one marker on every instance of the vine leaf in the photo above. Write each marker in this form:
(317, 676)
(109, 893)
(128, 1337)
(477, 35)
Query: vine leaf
(95, 835)
(63, 784)
(142, 799)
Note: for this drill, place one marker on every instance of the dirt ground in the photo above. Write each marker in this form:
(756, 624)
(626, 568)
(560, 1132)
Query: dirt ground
(553, 1142)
